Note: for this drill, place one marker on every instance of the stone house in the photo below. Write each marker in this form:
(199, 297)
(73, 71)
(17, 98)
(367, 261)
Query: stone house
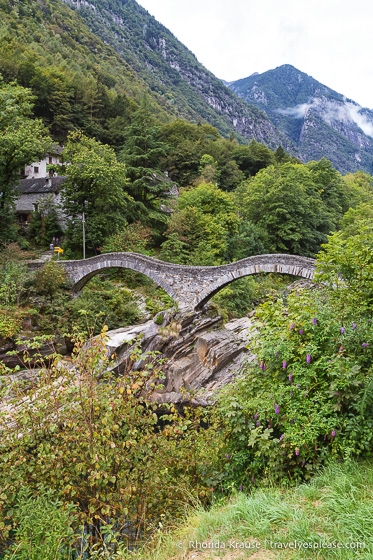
(38, 169)
(38, 184)
(31, 192)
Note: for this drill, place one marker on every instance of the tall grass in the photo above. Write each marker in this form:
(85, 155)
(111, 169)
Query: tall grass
(334, 510)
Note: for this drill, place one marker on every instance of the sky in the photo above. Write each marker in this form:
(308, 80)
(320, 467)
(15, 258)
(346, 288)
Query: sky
(331, 40)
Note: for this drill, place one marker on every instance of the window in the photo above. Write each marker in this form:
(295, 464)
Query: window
(36, 169)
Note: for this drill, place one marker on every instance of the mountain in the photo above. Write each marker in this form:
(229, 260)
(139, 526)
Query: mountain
(319, 121)
(89, 63)
(172, 71)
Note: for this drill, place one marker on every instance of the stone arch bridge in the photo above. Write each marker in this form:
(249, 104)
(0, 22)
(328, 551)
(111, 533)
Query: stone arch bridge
(190, 286)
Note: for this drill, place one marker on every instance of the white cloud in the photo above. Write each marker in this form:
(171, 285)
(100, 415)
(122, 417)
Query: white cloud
(298, 112)
(332, 111)
(361, 120)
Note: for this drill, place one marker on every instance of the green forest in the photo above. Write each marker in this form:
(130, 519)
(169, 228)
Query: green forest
(90, 465)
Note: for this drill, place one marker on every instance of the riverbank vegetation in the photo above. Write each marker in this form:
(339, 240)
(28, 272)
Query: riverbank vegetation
(90, 466)
(330, 517)
(122, 468)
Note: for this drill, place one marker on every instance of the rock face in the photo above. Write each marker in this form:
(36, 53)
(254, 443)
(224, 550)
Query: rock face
(319, 121)
(184, 86)
(201, 355)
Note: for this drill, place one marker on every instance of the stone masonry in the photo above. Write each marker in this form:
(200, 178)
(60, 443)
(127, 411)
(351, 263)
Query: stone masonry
(190, 286)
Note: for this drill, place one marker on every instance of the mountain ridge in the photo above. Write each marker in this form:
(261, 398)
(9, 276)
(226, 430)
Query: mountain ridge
(318, 120)
(89, 64)
(173, 71)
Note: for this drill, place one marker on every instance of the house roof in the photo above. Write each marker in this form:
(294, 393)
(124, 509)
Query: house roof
(56, 149)
(43, 185)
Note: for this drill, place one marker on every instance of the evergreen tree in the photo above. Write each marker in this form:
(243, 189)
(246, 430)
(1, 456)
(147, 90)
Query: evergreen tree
(141, 154)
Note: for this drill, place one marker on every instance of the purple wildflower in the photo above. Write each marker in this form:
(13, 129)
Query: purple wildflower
(290, 377)
(308, 358)
(276, 354)
(333, 433)
(342, 330)
(227, 456)
(300, 331)
(264, 367)
(241, 487)
(292, 326)
(282, 437)
(256, 416)
(365, 344)
(258, 423)
(303, 463)
(298, 386)
(354, 325)
(284, 364)
(314, 321)
(297, 452)
(277, 409)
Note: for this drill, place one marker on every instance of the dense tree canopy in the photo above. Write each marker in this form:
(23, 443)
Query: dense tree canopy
(96, 185)
(285, 201)
(200, 227)
(22, 141)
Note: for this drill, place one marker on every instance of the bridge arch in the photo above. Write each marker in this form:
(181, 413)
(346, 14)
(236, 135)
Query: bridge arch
(80, 272)
(190, 286)
(279, 264)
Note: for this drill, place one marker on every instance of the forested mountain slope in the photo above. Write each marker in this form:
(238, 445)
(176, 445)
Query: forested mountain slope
(90, 63)
(78, 81)
(172, 71)
(318, 120)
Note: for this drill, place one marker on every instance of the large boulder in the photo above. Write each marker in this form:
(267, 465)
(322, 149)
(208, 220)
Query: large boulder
(200, 353)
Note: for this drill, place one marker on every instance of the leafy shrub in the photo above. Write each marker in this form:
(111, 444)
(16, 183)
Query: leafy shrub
(43, 527)
(102, 303)
(10, 323)
(49, 279)
(14, 278)
(235, 300)
(345, 264)
(99, 442)
(241, 296)
(134, 237)
(309, 397)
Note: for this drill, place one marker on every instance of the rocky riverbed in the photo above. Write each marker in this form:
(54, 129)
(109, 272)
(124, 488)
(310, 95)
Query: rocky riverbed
(200, 353)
